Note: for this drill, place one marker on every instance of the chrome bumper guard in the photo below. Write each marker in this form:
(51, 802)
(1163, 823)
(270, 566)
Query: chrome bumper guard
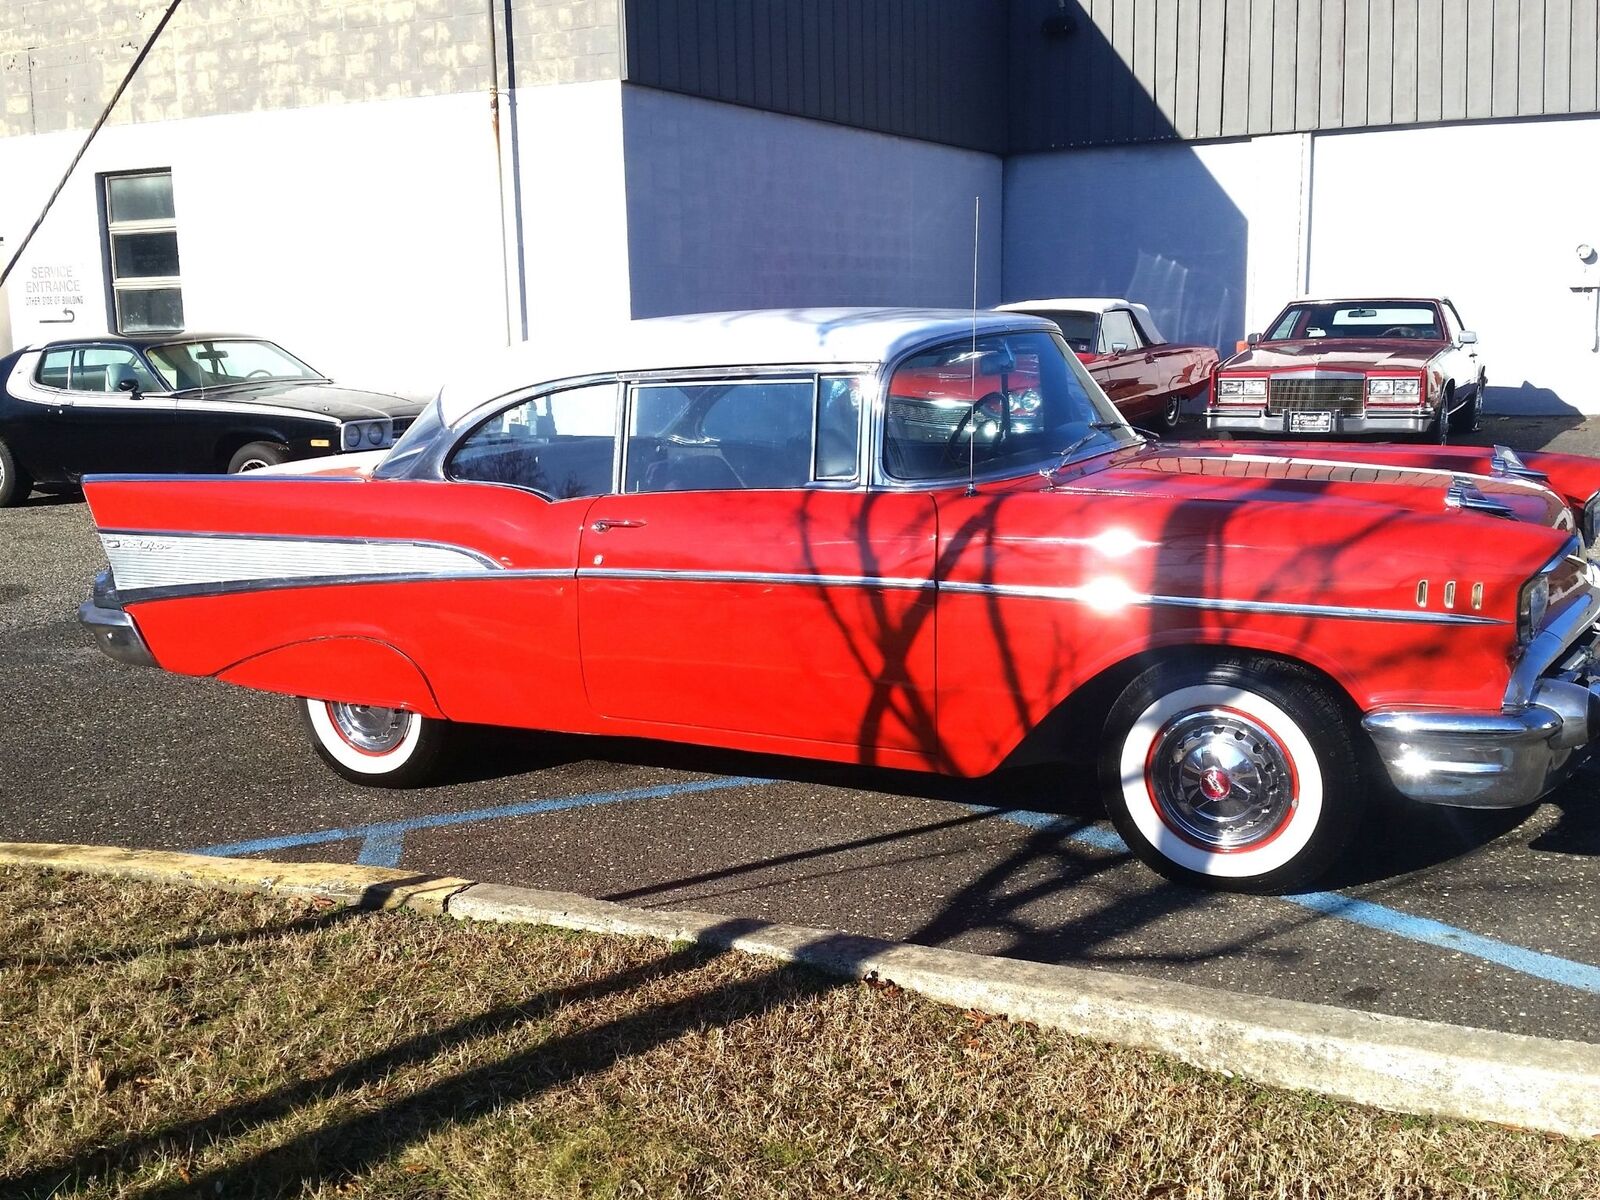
(1549, 724)
(114, 630)
(1343, 424)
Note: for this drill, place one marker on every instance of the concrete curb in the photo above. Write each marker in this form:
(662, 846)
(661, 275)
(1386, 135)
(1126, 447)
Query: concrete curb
(1391, 1062)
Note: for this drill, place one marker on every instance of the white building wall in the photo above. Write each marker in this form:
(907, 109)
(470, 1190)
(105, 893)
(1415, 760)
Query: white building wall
(1489, 215)
(363, 237)
(1209, 236)
(733, 208)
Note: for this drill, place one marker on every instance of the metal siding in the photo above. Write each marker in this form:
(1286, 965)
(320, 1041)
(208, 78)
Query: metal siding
(1431, 68)
(1330, 105)
(1480, 57)
(1184, 111)
(1236, 68)
(1403, 93)
(1507, 55)
(1308, 60)
(1355, 63)
(1530, 58)
(1380, 62)
(1581, 81)
(1557, 96)
(1285, 32)
(1261, 65)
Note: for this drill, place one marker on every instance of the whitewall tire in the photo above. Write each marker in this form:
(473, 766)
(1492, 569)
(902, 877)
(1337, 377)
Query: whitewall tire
(385, 747)
(1239, 776)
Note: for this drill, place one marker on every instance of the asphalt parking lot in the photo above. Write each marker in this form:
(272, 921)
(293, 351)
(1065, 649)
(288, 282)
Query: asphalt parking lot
(1467, 918)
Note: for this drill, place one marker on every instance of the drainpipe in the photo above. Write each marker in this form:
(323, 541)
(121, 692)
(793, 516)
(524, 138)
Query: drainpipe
(499, 167)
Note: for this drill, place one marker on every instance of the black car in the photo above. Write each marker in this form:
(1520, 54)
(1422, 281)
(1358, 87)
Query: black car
(193, 402)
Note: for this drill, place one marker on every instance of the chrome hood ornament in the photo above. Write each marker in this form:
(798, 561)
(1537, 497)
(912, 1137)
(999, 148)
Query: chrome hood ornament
(1464, 494)
(1507, 462)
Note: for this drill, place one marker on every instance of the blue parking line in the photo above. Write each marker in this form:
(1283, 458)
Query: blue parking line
(383, 841)
(1564, 971)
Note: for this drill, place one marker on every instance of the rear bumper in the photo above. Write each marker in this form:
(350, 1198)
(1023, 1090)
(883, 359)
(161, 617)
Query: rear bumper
(1344, 424)
(114, 631)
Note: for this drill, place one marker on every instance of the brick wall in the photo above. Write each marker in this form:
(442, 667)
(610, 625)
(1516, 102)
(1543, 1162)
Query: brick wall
(61, 59)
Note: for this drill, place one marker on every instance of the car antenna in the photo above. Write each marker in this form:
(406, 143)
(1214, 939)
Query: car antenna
(972, 358)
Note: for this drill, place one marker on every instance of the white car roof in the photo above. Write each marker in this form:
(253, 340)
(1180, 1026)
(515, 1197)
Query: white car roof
(1097, 304)
(760, 337)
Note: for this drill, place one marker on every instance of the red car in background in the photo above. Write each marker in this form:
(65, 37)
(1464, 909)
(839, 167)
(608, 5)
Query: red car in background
(1339, 368)
(1151, 381)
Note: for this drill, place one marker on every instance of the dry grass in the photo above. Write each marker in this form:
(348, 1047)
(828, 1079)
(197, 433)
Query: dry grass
(158, 1042)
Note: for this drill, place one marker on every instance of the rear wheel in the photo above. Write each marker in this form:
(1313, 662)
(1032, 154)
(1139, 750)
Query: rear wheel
(1238, 776)
(15, 483)
(385, 747)
(257, 455)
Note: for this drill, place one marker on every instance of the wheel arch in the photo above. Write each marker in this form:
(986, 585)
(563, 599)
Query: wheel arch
(353, 670)
(237, 437)
(1071, 729)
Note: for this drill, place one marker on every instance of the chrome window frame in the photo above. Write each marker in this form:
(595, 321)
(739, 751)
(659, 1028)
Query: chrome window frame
(882, 480)
(95, 344)
(436, 464)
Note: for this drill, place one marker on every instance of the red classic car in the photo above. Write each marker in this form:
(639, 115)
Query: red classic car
(1360, 366)
(1151, 380)
(737, 530)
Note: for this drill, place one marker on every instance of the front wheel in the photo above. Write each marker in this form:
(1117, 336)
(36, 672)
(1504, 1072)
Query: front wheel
(383, 747)
(1239, 776)
(256, 455)
(1469, 416)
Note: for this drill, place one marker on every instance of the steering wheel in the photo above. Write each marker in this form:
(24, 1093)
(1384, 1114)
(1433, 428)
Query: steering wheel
(994, 402)
(262, 371)
(1403, 331)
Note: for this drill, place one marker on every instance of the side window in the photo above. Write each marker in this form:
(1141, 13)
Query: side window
(96, 369)
(838, 426)
(560, 445)
(1116, 329)
(720, 436)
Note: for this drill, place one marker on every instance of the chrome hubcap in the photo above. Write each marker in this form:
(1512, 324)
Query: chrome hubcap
(1221, 780)
(370, 729)
(253, 464)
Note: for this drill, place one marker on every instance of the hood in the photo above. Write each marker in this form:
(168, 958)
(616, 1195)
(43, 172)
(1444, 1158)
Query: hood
(329, 399)
(1262, 473)
(1336, 354)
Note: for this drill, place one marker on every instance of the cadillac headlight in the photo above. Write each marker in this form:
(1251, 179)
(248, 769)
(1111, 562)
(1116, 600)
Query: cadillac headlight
(1394, 387)
(1533, 604)
(1242, 389)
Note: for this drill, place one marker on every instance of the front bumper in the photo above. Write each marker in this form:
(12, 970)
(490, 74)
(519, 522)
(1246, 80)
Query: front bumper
(113, 629)
(1549, 724)
(1343, 424)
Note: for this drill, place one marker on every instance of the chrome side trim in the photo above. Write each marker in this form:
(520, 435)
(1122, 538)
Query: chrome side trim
(232, 587)
(251, 477)
(892, 582)
(1132, 599)
(143, 562)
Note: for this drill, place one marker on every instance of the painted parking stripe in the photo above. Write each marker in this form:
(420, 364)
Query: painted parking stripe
(1564, 971)
(383, 841)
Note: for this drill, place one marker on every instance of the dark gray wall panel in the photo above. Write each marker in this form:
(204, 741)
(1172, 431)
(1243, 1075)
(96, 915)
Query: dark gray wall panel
(935, 71)
(1228, 68)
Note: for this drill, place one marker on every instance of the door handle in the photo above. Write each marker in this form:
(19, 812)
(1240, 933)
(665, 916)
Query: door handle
(602, 525)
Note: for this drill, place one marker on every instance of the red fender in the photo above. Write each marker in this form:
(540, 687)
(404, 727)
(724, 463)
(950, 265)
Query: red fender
(350, 669)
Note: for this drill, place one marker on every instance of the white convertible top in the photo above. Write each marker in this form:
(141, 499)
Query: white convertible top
(1094, 304)
(759, 337)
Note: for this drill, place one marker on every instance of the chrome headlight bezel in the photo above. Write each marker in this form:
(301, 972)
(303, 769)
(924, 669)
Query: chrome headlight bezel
(366, 435)
(1589, 524)
(1397, 387)
(1533, 606)
(1242, 388)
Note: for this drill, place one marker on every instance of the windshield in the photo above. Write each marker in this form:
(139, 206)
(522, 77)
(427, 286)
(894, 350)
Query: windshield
(1008, 401)
(1358, 319)
(224, 362)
